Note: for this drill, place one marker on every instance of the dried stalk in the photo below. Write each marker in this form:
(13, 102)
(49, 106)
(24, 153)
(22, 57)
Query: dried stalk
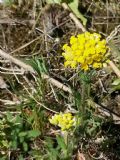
(16, 61)
(74, 18)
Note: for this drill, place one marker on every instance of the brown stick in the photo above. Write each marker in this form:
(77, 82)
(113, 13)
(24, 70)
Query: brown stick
(25, 45)
(57, 83)
(74, 18)
(16, 61)
(115, 69)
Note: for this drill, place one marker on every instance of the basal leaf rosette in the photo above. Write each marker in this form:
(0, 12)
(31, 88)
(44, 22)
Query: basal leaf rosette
(87, 50)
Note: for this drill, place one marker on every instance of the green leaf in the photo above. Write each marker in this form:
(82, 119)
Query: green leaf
(3, 158)
(53, 1)
(18, 120)
(21, 139)
(33, 133)
(25, 146)
(74, 7)
(22, 134)
(8, 2)
(14, 144)
(116, 82)
(5, 143)
(20, 157)
(61, 142)
(84, 77)
(38, 65)
(10, 118)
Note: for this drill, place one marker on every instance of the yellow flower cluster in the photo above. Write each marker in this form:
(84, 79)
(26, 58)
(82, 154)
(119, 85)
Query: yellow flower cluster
(86, 49)
(64, 120)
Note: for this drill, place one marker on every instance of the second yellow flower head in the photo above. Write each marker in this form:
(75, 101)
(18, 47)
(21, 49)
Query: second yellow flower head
(64, 120)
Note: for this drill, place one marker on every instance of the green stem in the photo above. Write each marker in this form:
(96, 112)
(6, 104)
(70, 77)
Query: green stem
(65, 136)
(83, 96)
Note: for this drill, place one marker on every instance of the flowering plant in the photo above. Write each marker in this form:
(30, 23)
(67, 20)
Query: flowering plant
(87, 49)
(64, 120)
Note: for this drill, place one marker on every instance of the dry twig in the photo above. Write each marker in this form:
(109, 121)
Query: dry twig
(74, 18)
(16, 61)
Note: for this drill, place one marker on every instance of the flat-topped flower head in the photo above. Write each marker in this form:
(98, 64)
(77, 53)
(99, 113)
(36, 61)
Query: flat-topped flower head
(87, 50)
(63, 120)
